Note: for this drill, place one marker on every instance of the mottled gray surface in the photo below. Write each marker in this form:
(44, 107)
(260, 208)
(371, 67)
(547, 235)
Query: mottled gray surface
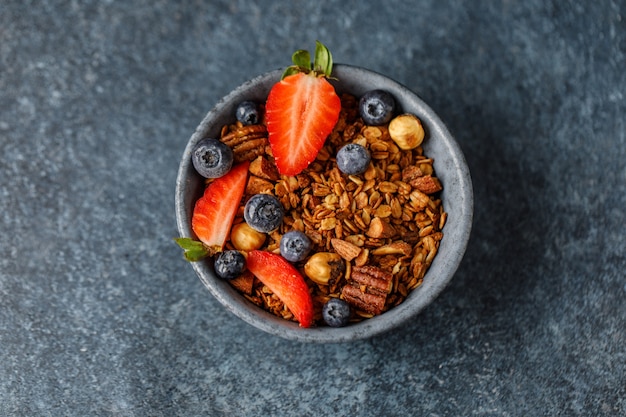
(99, 314)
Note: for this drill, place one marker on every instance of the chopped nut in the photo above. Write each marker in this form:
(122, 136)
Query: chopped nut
(244, 282)
(361, 200)
(262, 168)
(346, 250)
(395, 248)
(258, 185)
(380, 228)
(410, 173)
(427, 184)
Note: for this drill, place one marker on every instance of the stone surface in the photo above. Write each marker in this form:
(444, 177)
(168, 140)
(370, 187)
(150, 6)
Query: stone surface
(99, 314)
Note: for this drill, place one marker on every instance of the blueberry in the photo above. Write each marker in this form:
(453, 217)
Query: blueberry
(212, 158)
(353, 159)
(376, 107)
(229, 264)
(295, 246)
(336, 312)
(263, 213)
(247, 112)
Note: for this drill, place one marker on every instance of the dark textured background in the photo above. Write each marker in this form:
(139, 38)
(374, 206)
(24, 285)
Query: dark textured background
(99, 314)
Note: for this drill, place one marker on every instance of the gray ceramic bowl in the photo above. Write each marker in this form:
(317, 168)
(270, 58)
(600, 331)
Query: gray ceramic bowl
(457, 198)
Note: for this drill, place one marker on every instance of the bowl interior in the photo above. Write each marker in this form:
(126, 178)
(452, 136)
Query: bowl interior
(450, 168)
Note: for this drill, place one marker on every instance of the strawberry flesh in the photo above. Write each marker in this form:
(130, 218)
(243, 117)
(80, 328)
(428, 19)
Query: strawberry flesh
(215, 211)
(301, 111)
(284, 280)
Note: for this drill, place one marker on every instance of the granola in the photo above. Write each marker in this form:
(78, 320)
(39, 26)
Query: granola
(381, 229)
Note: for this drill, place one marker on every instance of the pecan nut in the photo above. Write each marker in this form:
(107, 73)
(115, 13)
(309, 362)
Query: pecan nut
(367, 289)
(247, 142)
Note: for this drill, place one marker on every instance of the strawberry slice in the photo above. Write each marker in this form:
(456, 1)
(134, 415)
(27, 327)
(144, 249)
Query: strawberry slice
(285, 281)
(301, 111)
(215, 211)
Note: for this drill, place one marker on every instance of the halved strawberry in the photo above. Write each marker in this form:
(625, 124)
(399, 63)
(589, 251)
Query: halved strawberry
(284, 280)
(214, 213)
(301, 111)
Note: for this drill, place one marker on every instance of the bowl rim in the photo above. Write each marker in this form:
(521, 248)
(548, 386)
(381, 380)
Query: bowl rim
(450, 167)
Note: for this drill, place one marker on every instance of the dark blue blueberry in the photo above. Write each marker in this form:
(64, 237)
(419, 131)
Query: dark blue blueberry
(295, 246)
(376, 107)
(263, 213)
(247, 112)
(353, 159)
(229, 264)
(336, 312)
(211, 158)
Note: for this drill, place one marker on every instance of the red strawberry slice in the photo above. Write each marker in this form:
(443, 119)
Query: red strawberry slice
(301, 111)
(215, 211)
(285, 281)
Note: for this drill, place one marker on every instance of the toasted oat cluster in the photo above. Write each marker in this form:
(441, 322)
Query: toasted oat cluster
(374, 235)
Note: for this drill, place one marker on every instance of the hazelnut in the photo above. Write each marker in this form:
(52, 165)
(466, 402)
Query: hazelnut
(406, 131)
(245, 238)
(325, 268)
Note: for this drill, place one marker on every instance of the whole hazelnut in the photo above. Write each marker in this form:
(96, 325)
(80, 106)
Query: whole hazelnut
(245, 238)
(406, 131)
(325, 268)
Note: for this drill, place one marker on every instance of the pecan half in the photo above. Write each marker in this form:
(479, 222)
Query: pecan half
(367, 288)
(242, 134)
(247, 142)
(370, 303)
(372, 277)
